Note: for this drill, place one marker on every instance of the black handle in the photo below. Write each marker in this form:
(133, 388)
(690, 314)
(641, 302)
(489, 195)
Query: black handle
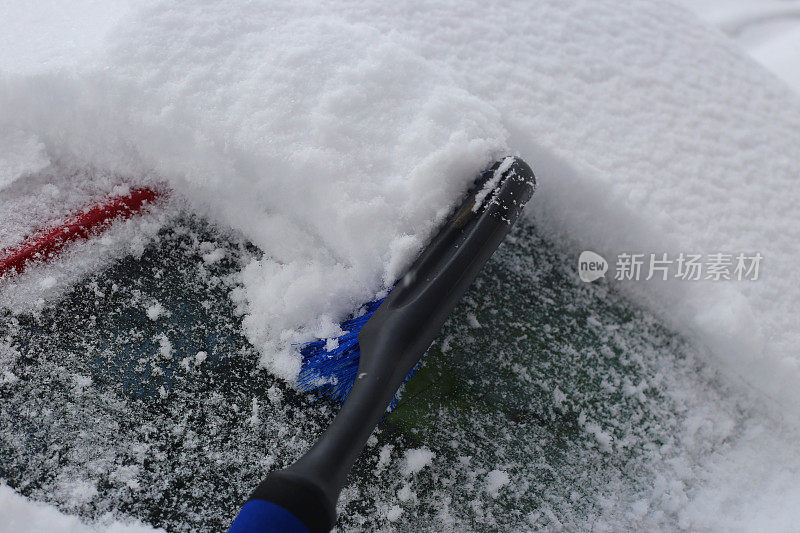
(396, 337)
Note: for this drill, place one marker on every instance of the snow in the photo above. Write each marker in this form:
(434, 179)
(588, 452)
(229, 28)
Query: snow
(336, 137)
(768, 30)
(490, 185)
(22, 154)
(165, 347)
(416, 459)
(50, 34)
(275, 395)
(393, 513)
(213, 256)
(81, 382)
(156, 311)
(254, 420)
(604, 440)
(24, 516)
(48, 282)
(472, 320)
(384, 456)
(496, 480)
(405, 494)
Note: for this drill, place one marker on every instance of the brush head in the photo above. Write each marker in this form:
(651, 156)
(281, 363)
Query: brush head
(330, 368)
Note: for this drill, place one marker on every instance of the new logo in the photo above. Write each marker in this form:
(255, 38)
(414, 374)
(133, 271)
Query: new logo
(591, 266)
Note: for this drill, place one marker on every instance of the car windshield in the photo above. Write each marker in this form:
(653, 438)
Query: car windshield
(136, 392)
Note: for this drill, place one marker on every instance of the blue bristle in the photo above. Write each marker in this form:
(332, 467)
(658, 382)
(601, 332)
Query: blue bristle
(332, 373)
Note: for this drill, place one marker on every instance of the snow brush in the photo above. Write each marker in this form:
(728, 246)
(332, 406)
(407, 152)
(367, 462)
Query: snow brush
(394, 335)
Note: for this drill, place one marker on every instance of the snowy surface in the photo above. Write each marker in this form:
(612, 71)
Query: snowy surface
(23, 515)
(48, 34)
(768, 30)
(335, 136)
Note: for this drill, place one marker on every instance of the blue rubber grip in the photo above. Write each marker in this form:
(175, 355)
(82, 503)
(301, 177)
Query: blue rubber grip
(260, 516)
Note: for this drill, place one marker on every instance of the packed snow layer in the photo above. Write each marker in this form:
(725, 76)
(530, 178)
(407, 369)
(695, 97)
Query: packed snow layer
(336, 136)
(49, 34)
(23, 516)
(768, 30)
(22, 154)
